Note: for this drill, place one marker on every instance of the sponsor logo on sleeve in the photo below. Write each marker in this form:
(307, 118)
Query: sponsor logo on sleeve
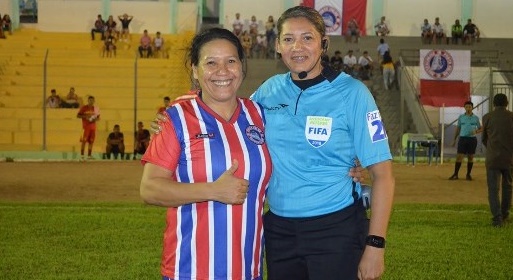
(375, 126)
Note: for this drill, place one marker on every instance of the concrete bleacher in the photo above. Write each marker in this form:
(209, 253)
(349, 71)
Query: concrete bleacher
(74, 60)
(33, 62)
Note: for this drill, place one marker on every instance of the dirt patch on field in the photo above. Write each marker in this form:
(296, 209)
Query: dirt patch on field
(118, 181)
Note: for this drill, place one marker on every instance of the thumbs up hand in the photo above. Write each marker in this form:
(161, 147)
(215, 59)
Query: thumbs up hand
(230, 189)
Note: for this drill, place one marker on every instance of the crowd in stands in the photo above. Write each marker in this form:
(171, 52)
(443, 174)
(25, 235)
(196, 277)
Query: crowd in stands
(111, 34)
(72, 100)
(435, 33)
(258, 40)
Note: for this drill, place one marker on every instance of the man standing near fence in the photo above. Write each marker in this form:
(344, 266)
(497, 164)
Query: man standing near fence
(498, 139)
(468, 127)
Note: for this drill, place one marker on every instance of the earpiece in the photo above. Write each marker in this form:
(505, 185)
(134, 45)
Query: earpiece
(324, 44)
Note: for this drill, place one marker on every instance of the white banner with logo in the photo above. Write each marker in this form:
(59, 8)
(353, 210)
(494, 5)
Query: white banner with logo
(331, 12)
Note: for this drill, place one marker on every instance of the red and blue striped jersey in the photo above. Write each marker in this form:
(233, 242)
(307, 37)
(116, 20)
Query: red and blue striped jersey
(213, 240)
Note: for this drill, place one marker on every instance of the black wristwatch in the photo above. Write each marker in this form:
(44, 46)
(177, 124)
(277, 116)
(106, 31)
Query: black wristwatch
(375, 241)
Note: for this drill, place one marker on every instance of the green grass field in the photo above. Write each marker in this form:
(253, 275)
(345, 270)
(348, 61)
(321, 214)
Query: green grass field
(123, 241)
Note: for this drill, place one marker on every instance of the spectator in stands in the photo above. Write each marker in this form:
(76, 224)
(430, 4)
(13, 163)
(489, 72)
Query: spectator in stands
(115, 143)
(142, 140)
(145, 45)
(2, 35)
(352, 31)
(158, 46)
(72, 100)
(381, 28)
(237, 25)
(99, 27)
(125, 20)
(109, 45)
(260, 48)
(54, 100)
(89, 114)
(253, 27)
(382, 48)
(110, 25)
(270, 35)
(360, 73)
(438, 32)
(247, 43)
(337, 61)
(366, 62)
(456, 31)
(388, 70)
(426, 32)
(470, 32)
(167, 101)
(6, 24)
(349, 62)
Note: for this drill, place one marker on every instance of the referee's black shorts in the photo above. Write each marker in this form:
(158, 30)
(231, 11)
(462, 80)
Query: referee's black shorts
(327, 247)
(467, 145)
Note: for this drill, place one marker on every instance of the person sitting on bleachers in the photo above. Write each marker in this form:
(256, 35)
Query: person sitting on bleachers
(470, 32)
(352, 31)
(381, 28)
(99, 27)
(336, 61)
(349, 62)
(7, 24)
(2, 35)
(247, 43)
(125, 20)
(142, 140)
(109, 45)
(115, 143)
(72, 100)
(426, 32)
(158, 46)
(438, 32)
(145, 45)
(111, 26)
(260, 48)
(54, 100)
(366, 62)
(456, 32)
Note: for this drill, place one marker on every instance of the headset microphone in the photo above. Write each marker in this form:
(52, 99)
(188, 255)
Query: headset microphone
(302, 75)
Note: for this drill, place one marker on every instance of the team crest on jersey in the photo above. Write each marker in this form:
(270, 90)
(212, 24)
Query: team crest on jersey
(331, 17)
(318, 130)
(255, 134)
(438, 64)
(375, 126)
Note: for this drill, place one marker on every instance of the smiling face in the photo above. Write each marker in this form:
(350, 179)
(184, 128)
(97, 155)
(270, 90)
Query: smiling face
(218, 71)
(299, 44)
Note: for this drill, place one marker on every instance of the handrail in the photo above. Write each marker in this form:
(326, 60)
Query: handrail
(416, 95)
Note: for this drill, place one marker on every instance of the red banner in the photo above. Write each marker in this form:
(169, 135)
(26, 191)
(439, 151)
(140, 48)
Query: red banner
(444, 93)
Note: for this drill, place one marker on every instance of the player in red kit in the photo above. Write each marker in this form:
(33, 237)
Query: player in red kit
(89, 114)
